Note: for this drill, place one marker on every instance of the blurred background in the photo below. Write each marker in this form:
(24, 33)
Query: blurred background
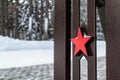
(34, 19)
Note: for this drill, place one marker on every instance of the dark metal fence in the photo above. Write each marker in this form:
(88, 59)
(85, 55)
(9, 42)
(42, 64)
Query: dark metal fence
(109, 13)
(112, 34)
(62, 40)
(90, 30)
(67, 21)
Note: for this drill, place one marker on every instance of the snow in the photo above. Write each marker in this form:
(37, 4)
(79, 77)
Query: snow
(9, 44)
(30, 24)
(101, 48)
(46, 25)
(10, 59)
(18, 53)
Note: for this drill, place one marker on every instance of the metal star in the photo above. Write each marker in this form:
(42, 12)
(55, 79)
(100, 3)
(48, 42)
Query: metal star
(80, 43)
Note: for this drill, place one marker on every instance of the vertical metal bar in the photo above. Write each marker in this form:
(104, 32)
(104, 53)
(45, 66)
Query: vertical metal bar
(91, 30)
(62, 40)
(112, 34)
(76, 68)
(76, 24)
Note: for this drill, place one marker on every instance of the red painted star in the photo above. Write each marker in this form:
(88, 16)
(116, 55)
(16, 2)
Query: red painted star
(80, 42)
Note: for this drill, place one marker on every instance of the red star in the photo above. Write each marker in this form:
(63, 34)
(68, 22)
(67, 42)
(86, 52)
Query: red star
(80, 42)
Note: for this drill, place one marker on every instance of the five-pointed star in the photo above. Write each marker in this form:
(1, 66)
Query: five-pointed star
(80, 42)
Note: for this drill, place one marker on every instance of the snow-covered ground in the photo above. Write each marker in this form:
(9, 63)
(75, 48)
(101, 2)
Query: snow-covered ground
(25, 58)
(101, 48)
(16, 53)
(9, 44)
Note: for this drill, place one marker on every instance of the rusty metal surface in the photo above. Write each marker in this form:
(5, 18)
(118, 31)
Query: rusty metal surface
(62, 35)
(90, 30)
(112, 39)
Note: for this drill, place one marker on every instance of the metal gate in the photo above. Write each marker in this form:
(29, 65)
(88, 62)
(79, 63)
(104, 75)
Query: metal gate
(67, 21)
(112, 29)
(64, 26)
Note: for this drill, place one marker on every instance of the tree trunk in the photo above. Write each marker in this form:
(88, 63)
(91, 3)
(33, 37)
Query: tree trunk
(46, 20)
(16, 33)
(30, 16)
(2, 17)
(41, 21)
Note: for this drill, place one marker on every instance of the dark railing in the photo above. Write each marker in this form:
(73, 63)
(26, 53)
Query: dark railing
(112, 28)
(109, 11)
(66, 23)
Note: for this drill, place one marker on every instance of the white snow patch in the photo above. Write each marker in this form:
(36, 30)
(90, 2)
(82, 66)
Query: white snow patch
(10, 59)
(101, 48)
(46, 25)
(18, 53)
(30, 24)
(8, 44)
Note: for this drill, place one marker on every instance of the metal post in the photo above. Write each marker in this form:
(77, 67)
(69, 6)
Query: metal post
(112, 28)
(76, 24)
(90, 29)
(62, 40)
